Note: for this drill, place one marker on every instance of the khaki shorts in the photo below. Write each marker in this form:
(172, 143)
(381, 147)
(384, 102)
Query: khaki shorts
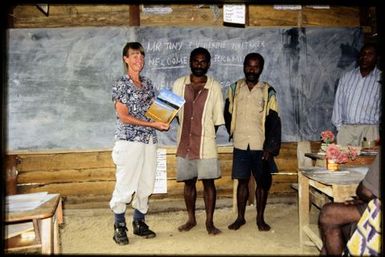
(202, 169)
(354, 134)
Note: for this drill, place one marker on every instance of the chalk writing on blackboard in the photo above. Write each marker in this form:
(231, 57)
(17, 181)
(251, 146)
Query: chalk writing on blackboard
(59, 79)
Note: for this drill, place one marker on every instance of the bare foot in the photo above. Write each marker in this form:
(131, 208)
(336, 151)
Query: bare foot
(212, 230)
(263, 226)
(186, 227)
(237, 224)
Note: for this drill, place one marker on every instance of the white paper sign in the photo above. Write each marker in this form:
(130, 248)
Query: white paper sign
(161, 172)
(234, 13)
(288, 7)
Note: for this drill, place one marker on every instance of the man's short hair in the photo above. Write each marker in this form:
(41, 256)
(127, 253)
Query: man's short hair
(201, 50)
(254, 56)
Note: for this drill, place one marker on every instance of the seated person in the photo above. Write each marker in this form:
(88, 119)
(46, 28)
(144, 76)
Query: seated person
(337, 221)
(366, 239)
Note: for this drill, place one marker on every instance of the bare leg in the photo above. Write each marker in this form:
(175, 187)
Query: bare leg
(261, 196)
(242, 195)
(210, 195)
(333, 217)
(190, 196)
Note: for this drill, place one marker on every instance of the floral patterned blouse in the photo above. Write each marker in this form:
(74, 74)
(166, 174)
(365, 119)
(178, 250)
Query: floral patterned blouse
(138, 101)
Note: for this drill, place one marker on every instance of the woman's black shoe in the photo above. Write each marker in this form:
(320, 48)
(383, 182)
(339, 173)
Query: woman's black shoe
(141, 229)
(120, 235)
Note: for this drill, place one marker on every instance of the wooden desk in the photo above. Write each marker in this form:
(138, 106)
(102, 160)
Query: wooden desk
(339, 185)
(46, 219)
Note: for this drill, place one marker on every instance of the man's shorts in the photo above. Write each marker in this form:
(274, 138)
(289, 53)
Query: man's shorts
(201, 169)
(247, 162)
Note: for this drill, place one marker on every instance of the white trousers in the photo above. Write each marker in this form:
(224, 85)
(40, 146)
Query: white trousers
(135, 173)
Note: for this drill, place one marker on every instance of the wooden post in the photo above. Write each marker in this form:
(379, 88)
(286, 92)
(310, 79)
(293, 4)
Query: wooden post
(303, 206)
(11, 175)
(10, 23)
(134, 15)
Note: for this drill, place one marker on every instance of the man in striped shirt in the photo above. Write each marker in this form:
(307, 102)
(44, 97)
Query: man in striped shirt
(356, 111)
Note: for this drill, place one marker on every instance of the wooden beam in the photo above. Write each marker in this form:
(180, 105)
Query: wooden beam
(134, 15)
(11, 174)
(10, 23)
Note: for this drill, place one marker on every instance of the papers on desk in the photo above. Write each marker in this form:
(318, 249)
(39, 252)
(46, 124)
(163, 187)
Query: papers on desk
(341, 177)
(12, 230)
(319, 170)
(26, 202)
(363, 169)
(325, 171)
(312, 168)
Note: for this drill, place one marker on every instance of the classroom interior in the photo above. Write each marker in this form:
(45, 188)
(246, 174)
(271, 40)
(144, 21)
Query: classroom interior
(85, 177)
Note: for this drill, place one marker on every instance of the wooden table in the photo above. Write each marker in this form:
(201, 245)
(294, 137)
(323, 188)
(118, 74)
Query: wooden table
(46, 219)
(365, 158)
(339, 185)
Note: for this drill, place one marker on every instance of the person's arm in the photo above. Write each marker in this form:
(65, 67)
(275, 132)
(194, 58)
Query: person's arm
(364, 193)
(273, 128)
(125, 117)
(337, 107)
(217, 116)
(272, 142)
(369, 187)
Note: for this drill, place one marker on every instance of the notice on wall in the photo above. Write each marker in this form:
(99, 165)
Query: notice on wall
(234, 13)
(161, 172)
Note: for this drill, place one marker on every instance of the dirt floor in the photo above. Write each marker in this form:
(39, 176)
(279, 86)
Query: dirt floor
(89, 231)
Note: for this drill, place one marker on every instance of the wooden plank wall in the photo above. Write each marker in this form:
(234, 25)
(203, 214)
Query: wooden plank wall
(81, 176)
(74, 15)
(68, 15)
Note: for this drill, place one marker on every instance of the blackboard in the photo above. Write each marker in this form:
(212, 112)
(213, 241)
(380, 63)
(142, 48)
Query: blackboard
(59, 79)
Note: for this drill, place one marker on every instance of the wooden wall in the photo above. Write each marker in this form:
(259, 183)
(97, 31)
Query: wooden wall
(29, 16)
(70, 15)
(84, 176)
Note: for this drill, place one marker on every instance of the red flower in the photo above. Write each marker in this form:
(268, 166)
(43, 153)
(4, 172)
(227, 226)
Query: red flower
(327, 136)
(340, 154)
(332, 152)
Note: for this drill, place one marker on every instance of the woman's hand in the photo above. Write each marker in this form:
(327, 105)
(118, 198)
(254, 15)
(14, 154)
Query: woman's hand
(160, 125)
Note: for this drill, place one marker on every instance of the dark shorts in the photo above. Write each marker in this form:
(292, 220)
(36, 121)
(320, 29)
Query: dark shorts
(247, 162)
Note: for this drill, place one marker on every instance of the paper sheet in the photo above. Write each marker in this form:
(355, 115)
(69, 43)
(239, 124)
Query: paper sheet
(161, 172)
(26, 202)
(12, 230)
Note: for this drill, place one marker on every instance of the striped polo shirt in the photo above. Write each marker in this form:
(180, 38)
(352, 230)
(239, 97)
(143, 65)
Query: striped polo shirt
(357, 100)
